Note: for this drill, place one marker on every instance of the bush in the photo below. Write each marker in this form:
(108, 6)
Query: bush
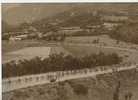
(127, 32)
(57, 62)
(79, 89)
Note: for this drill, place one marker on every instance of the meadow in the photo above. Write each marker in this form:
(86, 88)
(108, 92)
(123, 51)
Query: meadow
(8, 46)
(104, 40)
(82, 50)
(13, 50)
(75, 49)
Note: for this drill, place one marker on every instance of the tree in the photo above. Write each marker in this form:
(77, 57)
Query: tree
(58, 62)
(116, 92)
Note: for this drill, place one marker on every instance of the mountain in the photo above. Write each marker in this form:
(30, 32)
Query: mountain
(85, 14)
(30, 12)
(6, 27)
(127, 33)
(15, 14)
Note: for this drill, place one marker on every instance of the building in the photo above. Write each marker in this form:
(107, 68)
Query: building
(18, 37)
(110, 25)
(112, 18)
(92, 28)
(69, 30)
(12, 38)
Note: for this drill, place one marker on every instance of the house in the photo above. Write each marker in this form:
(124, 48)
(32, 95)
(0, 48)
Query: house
(39, 34)
(113, 18)
(24, 36)
(12, 38)
(69, 30)
(53, 23)
(48, 34)
(110, 25)
(33, 29)
(18, 37)
(92, 28)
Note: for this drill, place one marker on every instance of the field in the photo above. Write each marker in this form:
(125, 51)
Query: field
(12, 46)
(8, 46)
(99, 88)
(27, 53)
(90, 39)
(83, 49)
(29, 49)
(74, 49)
(85, 45)
(102, 40)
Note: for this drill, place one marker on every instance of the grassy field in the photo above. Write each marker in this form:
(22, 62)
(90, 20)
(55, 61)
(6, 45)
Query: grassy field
(99, 88)
(29, 49)
(90, 39)
(73, 49)
(103, 40)
(8, 46)
(16, 45)
(13, 46)
(81, 50)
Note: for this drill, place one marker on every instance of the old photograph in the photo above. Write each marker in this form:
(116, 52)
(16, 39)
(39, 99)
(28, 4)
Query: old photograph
(69, 51)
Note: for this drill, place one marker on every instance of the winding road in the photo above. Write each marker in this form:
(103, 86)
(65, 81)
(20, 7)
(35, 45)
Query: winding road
(32, 80)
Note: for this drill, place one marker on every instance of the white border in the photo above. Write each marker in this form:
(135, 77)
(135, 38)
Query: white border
(0, 57)
(69, 1)
(52, 1)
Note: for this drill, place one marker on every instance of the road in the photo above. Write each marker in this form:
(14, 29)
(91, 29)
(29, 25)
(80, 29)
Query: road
(21, 82)
(32, 80)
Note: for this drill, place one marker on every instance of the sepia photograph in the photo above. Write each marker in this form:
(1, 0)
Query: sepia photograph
(69, 51)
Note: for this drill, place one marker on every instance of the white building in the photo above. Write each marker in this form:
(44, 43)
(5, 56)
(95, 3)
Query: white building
(69, 30)
(12, 38)
(110, 26)
(114, 18)
(19, 37)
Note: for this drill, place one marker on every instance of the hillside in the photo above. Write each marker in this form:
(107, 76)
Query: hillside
(127, 32)
(6, 27)
(51, 17)
(32, 12)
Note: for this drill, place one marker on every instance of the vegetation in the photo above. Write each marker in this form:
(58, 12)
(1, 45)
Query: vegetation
(116, 92)
(81, 20)
(54, 37)
(127, 32)
(79, 89)
(57, 62)
(100, 88)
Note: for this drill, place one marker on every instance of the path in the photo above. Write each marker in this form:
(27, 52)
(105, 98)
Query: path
(32, 80)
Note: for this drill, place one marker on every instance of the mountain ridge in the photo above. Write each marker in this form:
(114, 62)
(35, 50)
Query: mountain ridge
(32, 12)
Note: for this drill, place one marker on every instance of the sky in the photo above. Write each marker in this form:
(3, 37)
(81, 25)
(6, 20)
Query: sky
(8, 6)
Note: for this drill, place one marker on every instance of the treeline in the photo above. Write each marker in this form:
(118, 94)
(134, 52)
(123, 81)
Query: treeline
(54, 37)
(127, 32)
(57, 62)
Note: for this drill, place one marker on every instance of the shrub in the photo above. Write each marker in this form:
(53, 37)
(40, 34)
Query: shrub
(79, 89)
(57, 62)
